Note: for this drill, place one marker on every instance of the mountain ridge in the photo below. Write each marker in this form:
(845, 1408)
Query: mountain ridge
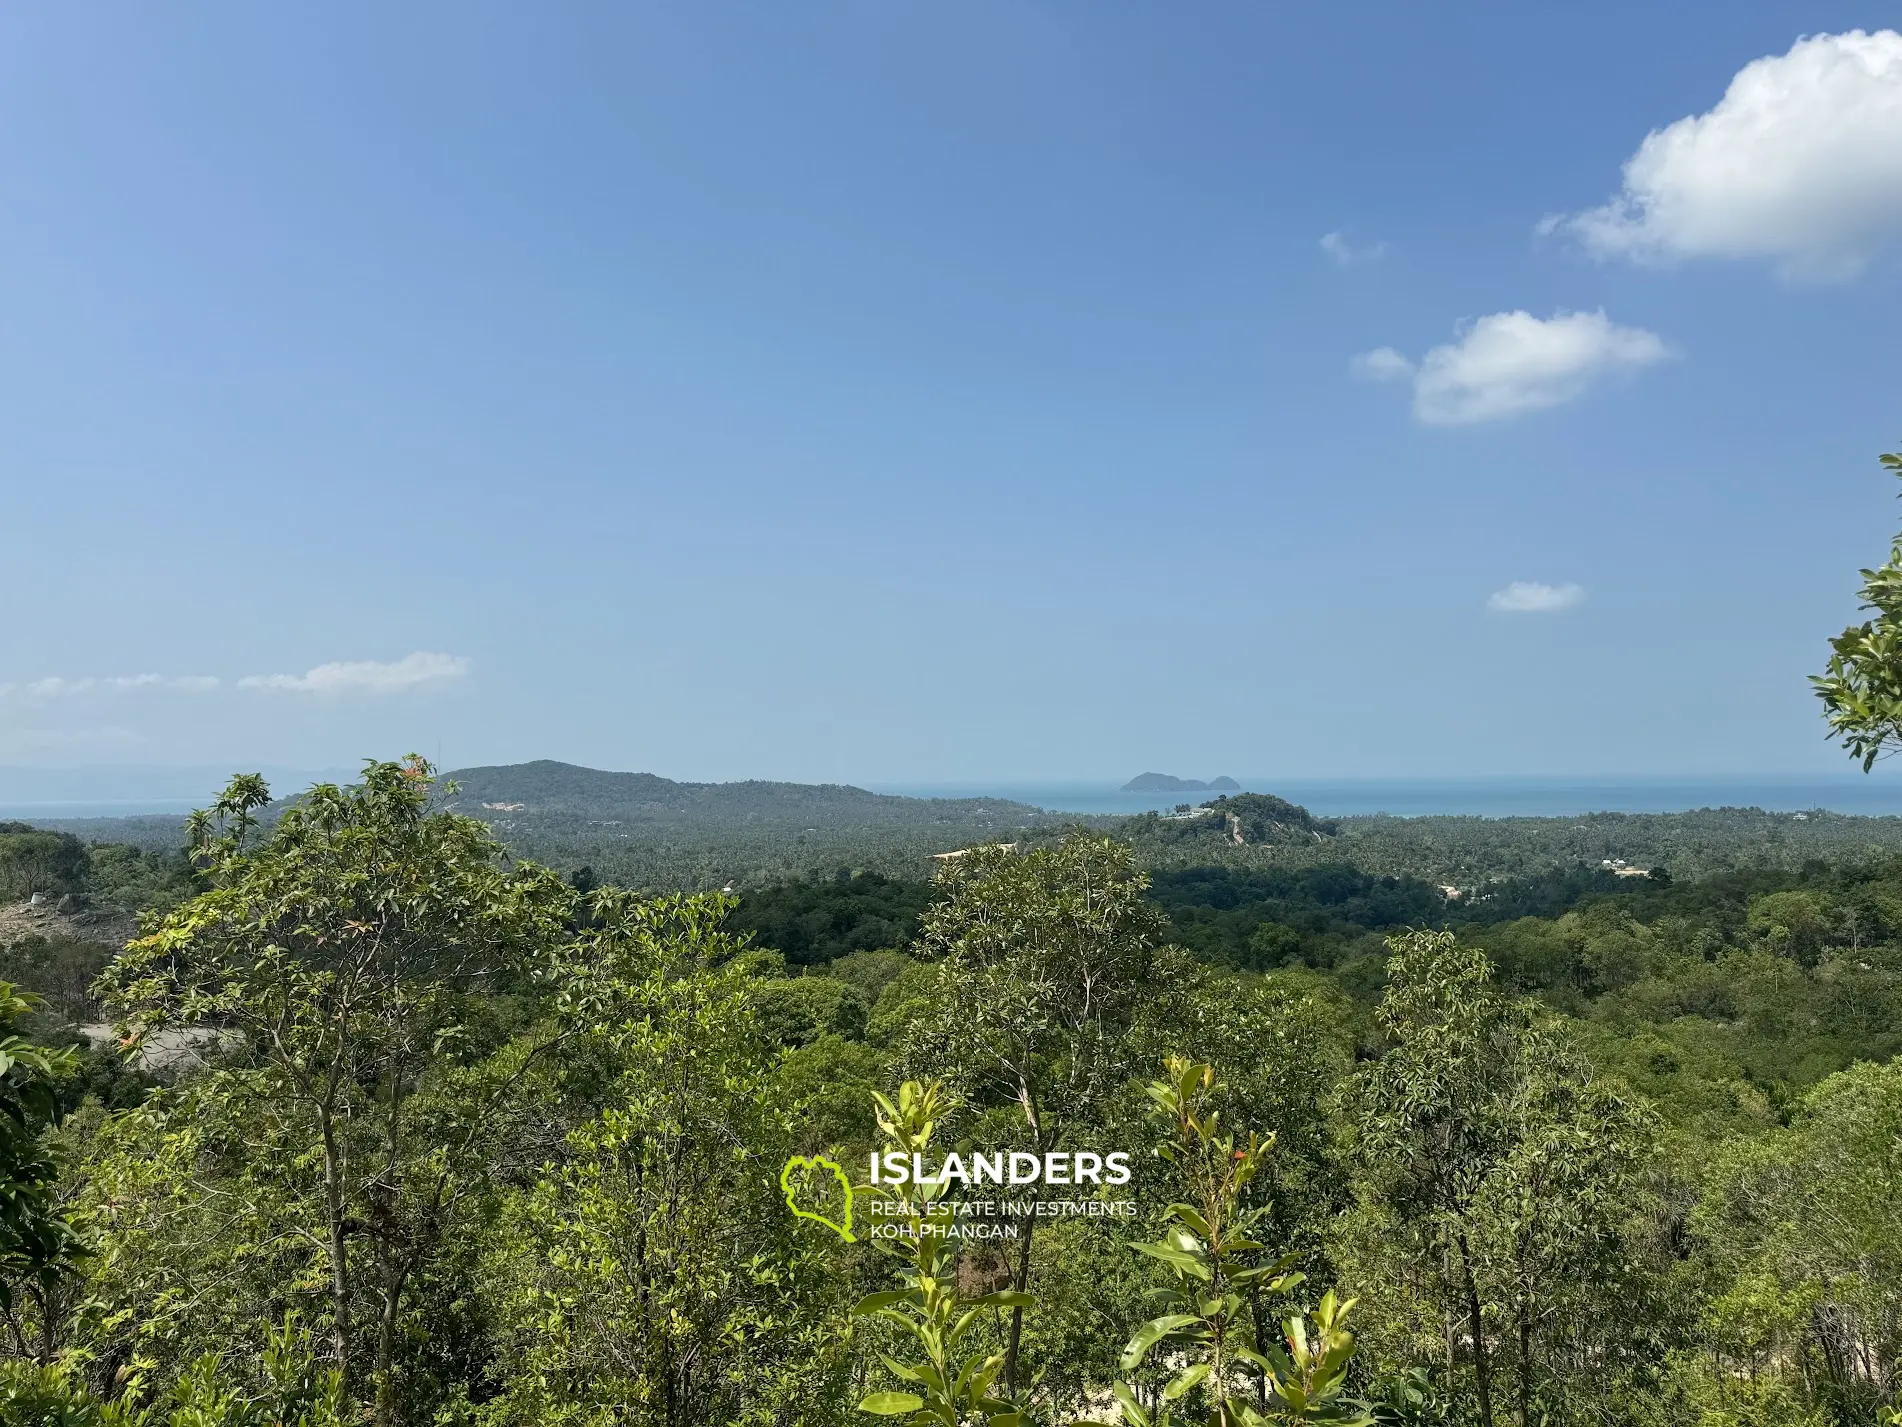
(549, 788)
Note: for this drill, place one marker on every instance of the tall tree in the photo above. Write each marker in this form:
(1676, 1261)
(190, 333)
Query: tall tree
(330, 976)
(1045, 957)
(1805, 1227)
(653, 1273)
(1499, 1176)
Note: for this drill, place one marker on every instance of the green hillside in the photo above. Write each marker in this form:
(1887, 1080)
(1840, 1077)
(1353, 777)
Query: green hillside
(641, 830)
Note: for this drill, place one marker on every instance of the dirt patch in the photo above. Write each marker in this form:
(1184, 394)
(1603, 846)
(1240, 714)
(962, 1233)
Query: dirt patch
(108, 926)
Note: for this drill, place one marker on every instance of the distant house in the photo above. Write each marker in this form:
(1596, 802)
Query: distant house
(948, 856)
(1618, 867)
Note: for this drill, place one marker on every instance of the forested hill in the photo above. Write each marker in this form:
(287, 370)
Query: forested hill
(1237, 820)
(648, 831)
(643, 830)
(547, 789)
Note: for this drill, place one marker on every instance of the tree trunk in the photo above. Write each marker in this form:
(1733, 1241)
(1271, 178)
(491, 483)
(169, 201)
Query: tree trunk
(386, 1348)
(340, 1335)
(1021, 1282)
(1482, 1363)
(1525, 1361)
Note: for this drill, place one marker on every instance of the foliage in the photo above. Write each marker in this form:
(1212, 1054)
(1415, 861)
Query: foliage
(1499, 1185)
(640, 830)
(560, 1111)
(1805, 1225)
(818, 920)
(1234, 819)
(1216, 1313)
(334, 966)
(798, 1010)
(1861, 687)
(38, 1248)
(289, 1388)
(1043, 957)
(32, 860)
(60, 970)
(655, 1272)
(954, 1385)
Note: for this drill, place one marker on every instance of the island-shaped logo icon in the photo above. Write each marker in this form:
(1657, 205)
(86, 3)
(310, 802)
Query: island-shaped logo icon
(797, 1178)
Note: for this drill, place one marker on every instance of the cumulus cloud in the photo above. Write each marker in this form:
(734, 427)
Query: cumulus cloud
(1511, 362)
(1799, 162)
(366, 676)
(1348, 254)
(1532, 597)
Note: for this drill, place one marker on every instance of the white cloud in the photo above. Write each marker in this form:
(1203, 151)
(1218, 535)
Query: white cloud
(57, 687)
(1512, 361)
(1532, 597)
(1348, 254)
(365, 676)
(1800, 162)
(1382, 364)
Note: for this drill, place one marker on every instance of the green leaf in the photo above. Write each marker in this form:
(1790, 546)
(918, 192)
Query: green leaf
(1176, 1259)
(898, 1369)
(1186, 1382)
(1133, 1413)
(890, 1404)
(1192, 1217)
(1006, 1298)
(872, 1302)
(1152, 1333)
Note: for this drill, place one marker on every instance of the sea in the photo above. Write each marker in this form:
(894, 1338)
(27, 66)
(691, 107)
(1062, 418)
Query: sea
(1875, 795)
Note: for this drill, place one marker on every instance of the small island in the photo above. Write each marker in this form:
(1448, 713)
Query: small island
(1168, 783)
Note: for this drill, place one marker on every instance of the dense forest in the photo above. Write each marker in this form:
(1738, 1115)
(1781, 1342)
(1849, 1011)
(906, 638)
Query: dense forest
(384, 1113)
(398, 1126)
(637, 830)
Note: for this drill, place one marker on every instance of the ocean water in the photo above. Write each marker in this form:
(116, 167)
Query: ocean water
(1877, 795)
(118, 808)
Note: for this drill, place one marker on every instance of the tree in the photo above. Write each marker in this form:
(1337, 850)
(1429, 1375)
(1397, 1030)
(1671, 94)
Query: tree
(1861, 688)
(38, 1248)
(331, 976)
(652, 1273)
(290, 1389)
(35, 861)
(1499, 1176)
(1802, 1237)
(1045, 958)
(1210, 1251)
(953, 1384)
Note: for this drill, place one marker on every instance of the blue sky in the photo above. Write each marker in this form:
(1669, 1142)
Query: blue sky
(867, 392)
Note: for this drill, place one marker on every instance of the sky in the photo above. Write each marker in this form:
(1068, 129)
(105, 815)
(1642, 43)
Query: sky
(860, 392)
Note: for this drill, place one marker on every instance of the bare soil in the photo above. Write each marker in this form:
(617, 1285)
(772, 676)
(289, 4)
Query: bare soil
(108, 926)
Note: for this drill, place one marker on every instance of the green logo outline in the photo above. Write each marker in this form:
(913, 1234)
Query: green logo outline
(818, 1161)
